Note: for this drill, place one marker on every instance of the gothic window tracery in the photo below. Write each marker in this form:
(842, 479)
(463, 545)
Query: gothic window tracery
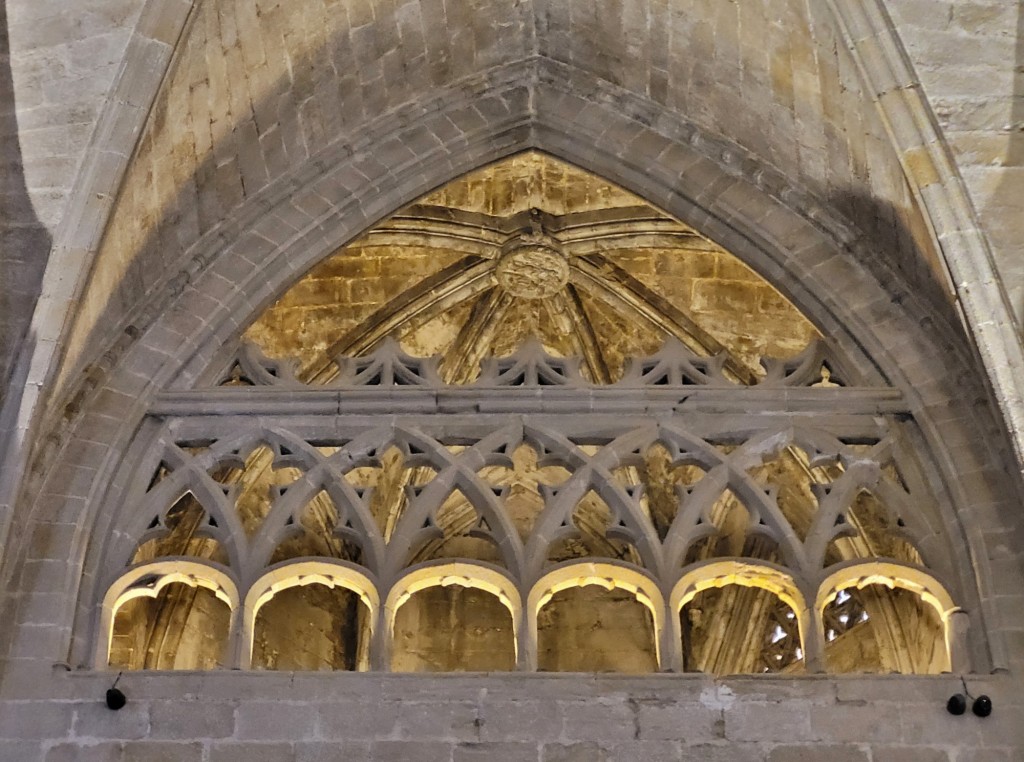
(529, 422)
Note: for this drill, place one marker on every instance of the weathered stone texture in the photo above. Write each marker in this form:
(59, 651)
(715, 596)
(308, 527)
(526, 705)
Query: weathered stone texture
(63, 65)
(256, 92)
(259, 93)
(970, 60)
(779, 730)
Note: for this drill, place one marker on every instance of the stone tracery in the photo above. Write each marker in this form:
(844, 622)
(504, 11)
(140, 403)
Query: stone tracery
(791, 466)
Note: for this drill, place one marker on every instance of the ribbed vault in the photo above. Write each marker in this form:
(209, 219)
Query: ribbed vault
(258, 89)
(531, 248)
(780, 156)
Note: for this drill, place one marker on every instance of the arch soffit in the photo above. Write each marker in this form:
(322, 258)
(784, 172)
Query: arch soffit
(135, 583)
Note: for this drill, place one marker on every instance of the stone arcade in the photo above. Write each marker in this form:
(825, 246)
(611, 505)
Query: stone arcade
(521, 380)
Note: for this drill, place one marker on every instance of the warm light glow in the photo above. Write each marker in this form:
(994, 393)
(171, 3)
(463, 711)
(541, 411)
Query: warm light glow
(457, 573)
(329, 573)
(162, 573)
(606, 575)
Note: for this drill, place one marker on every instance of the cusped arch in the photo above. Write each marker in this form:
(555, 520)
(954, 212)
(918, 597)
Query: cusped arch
(463, 574)
(456, 472)
(593, 473)
(328, 572)
(148, 580)
(608, 575)
(776, 239)
(718, 574)
(896, 575)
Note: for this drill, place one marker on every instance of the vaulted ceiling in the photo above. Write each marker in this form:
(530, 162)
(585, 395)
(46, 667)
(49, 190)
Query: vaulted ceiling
(526, 248)
(259, 89)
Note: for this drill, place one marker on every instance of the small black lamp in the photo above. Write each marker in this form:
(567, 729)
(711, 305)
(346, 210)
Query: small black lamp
(957, 704)
(115, 696)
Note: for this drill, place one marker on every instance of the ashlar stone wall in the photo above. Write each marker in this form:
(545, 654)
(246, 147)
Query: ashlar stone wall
(294, 717)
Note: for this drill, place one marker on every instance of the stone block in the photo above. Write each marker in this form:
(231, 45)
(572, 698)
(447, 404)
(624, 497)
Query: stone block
(908, 754)
(648, 751)
(22, 751)
(411, 751)
(161, 751)
(691, 723)
(871, 723)
(487, 752)
(437, 720)
(724, 752)
(357, 719)
(988, 755)
(78, 752)
(520, 720)
(275, 721)
(931, 725)
(348, 751)
(35, 719)
(780, 722)
(599, 720)
(191, 719)
(818, 753)
(572, 752)
(95, 720)
(231, 751)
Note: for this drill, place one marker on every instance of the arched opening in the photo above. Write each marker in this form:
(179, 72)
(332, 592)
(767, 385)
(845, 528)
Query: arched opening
(453, 628)
(764, 639)
(168, 615)
(312, 627)
(532, 287)
(592, 629)
(529, 248)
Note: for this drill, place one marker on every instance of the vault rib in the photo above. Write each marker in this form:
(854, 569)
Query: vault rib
(610, 283)
(430, 297)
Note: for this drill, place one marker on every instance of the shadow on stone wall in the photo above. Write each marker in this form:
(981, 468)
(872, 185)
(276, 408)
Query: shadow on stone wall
(1008, 194)
(24, 241)
(1015, 156)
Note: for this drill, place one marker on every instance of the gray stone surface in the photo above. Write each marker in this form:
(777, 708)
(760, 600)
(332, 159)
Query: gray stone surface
(757, 112)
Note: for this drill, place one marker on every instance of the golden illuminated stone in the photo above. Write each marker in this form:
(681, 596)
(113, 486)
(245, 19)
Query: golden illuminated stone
(533, 270)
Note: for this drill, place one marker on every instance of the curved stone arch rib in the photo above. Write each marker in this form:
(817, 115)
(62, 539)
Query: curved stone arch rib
(136, 583)
(329, 572)
(905, 577)
(193, 476)
(147, 57)
(765, 515)
(859, 574)
(931, 171)
(443, 574)
(192, 479)
(456, 472)
(327, 473)
(686, 447)
(610, 575)
(276, 529)
(768, 577)
(593, 473)
(558, 147)
(844, 490)
(718, 574)
(632, 168)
